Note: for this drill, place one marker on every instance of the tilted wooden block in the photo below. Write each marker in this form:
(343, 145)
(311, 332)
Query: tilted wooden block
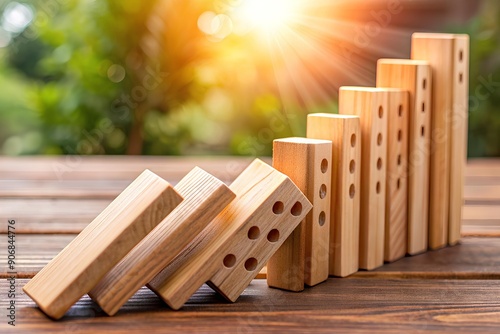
(448, 56)
(268, 206)
(371, 105)
(303, 257)
(415, 76)
(459, 129)
(396, 199)
(204, 197)
(104, 242)
(345, 134)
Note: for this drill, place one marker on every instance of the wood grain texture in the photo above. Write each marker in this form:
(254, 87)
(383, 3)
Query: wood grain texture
(438, 50)
(307, 162)
(371, 105)
(352, 304)
(204, 197)
(263, 198)
(344, 132)
(415, 76)
(104, 242)
(459, 128)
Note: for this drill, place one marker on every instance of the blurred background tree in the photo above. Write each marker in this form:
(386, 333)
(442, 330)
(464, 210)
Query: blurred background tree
(191, 77)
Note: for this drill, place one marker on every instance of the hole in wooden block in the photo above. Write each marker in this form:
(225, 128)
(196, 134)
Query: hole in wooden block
(278, 207)
(353, 140)
(352, 166)
(352, 191)
(322, 218)
(380, 112)
(251, 264)
(400, 110)
(296, 209)
(379, 164)
(422, 131)
(399, 159)
(253, 233)
(322, 191)
(398, 183)
(424, 84)
(273, 235)
(400, 135)
(460, 77)
(324, 166)
(423, 106)
(379, 139)
(229, 261)
(377, 187)
(461, 55)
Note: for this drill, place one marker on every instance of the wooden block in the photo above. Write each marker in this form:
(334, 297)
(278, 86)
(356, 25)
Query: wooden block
(459, 128)
(371, 105)
(396, 199)
(414, 76)
(255, 224)
(204, 197)
(104, 242)
(438, 50)
(345, 133)
(304, 256)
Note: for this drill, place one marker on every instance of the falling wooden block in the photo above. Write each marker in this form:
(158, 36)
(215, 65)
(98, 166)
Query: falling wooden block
(459, 128)
(304, 256)
(204, 197)
(344, 132)
(239, 241)
(371, 105)
(414, 76)
(448, 56)
(104, 242)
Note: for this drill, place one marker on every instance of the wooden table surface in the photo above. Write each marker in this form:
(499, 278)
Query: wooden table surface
(51, 199)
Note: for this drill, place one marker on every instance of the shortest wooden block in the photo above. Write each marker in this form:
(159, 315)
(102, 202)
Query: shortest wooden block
(204, 197)
(268, 206)
(303, 257)
(104, 242)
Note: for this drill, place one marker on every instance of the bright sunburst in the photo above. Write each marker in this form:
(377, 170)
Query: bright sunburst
(266, 15)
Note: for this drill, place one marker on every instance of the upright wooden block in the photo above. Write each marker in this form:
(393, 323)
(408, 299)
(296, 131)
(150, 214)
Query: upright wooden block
(303, 257)
(459, 126)
(345, 133)
(371, 105)
(268, 206)
(204, 197)
(414, 76)
(396, 200)
(104, 242)
(443, 52)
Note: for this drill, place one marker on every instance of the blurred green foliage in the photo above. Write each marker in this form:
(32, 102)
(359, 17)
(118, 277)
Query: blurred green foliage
(140, 77)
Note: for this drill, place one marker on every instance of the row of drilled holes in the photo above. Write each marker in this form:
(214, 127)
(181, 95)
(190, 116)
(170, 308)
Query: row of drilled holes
(322, 193)
(461, 59)
(379, 143)
(352, 168)
(254, 233)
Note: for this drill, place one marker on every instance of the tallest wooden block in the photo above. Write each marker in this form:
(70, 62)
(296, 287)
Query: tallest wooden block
(448, 56)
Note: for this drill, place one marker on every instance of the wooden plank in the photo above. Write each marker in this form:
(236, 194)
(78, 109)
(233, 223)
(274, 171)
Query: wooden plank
(371, 105)
(350, 304)
(415, 77)
(64, 168)
(104, 242)
(33, 252)
(50, 215)
(204, 197)
(257, 222)
(305, 253)
(345, 134)
(473, 258)
(459, 128)
(438, 50)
